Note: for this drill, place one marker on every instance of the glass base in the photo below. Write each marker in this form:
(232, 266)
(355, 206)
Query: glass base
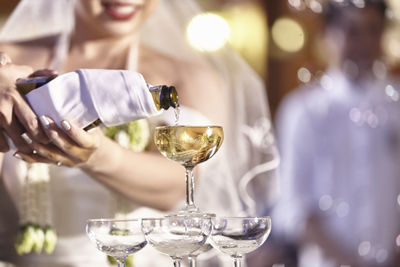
(190, 209)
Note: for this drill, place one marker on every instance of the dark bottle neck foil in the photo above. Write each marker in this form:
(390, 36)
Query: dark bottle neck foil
(168, 97)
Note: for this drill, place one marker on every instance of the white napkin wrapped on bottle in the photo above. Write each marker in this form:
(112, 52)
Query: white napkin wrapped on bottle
(83, 96)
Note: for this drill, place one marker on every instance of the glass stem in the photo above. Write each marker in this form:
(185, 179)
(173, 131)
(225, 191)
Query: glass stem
(192, 261)
(237, 261)
(121, 262)
(189, 189)
(177, 262)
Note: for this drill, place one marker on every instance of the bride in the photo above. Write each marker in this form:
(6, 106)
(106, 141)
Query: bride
(146, 36)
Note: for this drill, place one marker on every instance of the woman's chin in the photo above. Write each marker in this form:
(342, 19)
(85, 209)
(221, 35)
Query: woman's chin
(118, 28)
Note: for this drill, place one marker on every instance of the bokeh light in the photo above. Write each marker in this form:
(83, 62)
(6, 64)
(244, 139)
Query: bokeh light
(342, 209)
(325, 202)
(355, 116)
(315, 6)
(364, 248)
(326, 82)
(304, 75)
(394, 95)
(208, 32)
(381, 255)
(297, 4)
(379, 69)
(395, 8)
(248, 33)
(288, 35)
(359, 3)
(393, 47)
(398, 240)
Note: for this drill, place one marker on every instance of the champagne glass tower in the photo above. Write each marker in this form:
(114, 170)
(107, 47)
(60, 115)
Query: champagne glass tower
(189, 146)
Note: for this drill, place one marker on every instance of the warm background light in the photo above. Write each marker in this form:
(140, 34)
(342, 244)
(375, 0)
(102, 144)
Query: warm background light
(391, 40)
(208, 32)
(249, 33)
(288, 35)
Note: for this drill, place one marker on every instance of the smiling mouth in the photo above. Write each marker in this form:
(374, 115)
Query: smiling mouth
(120, 10)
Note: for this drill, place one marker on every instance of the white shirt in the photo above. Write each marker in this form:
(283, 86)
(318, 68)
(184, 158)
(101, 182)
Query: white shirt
(340, 147)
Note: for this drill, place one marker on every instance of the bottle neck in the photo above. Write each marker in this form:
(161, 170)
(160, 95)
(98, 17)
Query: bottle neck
(164, 96)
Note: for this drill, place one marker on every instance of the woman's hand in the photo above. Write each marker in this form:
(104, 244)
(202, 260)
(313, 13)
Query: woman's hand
(16, 116)
(70, 145)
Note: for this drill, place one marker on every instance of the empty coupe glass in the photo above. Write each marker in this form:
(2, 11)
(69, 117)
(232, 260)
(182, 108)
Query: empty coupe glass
(237, 236)
(116, 238)
(177, 236)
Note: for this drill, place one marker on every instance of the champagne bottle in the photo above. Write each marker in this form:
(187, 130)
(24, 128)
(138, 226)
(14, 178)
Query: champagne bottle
(163, 96)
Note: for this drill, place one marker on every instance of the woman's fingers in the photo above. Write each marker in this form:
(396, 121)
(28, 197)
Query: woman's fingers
(29, 120)
(36, 157)
(46, 153)
(57, 136)
(69, 145)
(81, 137)
(31, 158)
(16, 116)
(72, 140)
(14, 130)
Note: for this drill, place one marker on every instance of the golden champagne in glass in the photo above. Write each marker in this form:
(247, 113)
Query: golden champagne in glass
(189, 146)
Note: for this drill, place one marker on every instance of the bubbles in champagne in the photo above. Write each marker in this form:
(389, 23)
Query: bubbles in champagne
(188, 145)
(177, 112)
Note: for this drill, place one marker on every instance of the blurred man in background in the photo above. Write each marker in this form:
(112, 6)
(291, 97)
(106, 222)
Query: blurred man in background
(340, 145)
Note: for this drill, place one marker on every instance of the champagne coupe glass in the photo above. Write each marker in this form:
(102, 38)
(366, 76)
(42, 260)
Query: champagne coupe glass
(237, 236)
(189, 146)
(177, 236)
(116, 238)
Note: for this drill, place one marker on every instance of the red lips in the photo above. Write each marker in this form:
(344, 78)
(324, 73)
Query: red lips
(119, 10)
